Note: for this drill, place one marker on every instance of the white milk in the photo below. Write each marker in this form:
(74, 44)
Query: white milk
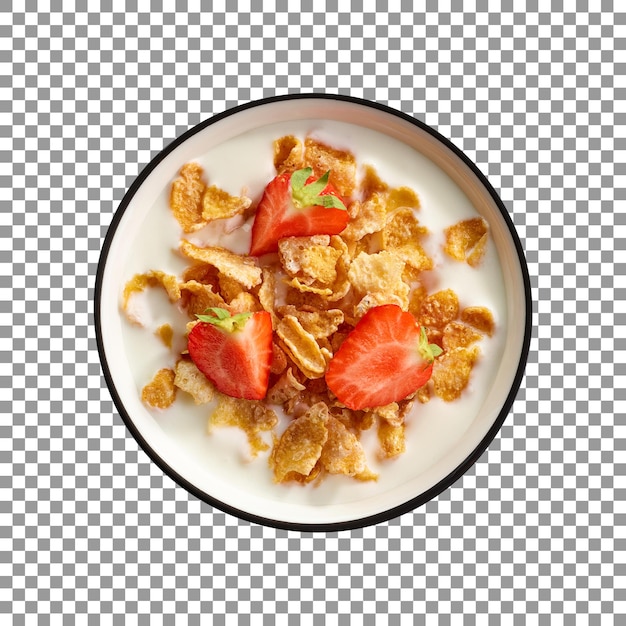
(245, 163)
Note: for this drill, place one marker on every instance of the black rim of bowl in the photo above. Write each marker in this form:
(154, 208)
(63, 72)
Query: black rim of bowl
(377, 518)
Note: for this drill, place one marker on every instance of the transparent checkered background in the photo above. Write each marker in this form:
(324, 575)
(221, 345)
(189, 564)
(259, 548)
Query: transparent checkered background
(533, 533)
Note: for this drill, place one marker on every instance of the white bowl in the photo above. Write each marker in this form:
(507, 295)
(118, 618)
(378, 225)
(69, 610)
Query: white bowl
(443, 439)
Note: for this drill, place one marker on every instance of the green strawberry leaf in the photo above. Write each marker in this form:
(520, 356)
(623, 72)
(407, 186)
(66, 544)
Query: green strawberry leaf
(429, 351)
(304, 195)
(224, 320)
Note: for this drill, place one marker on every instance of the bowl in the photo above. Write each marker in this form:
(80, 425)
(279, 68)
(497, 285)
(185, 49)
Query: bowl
(443, 439)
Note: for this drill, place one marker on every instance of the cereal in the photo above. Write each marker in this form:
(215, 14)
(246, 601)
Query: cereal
(302, 347)
(287, 154)
(439, 308)
(166, 334)
(190, 379)
(286, 388)
(316, 289)
(320, 324)
(402, 234)
(186, 197)
(479, 317)
(451, 372)
(199, 297)
(300, 446)
(466, 240)
(380, 273)
(217, 204)
(342, 453)
(341, 164)
(242, 269)
(391, 438)
(160, 392)
(251, 416)
(370, 218)
(309, 259)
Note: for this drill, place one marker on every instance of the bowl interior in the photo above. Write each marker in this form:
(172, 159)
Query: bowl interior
(235, 151)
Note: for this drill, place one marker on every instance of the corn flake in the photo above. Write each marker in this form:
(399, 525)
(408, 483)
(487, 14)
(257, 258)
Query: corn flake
(370, 218)
(379, 273)
(391, 439)
(300, 446)
(320, 324)
(479, 317)
(371, 183)
(251, 416)
(439, 308)
(402, 234)
(190, 379)
(198, 297)
(341, 163)
(218, 204)
(160, 392)
(342, 453)
(467, 240)
(451, 372)
(285, 388)
(459, 335)
(166, 334)
(243, 269)
(287, 154)
(186, 197)
(302, 347)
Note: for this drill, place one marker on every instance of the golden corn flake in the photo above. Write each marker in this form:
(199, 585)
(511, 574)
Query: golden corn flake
(160, 392)
(285, 388)
(243, 269)
(451, 372)
(166, 334)
(191, 380)
(402, 234)
(379, 273)
(202, 273)
(245, 302)
(152, 278)
(287, 154)
(198, 297)
(342, 453)
(459, 335)
(310, 259)
(300, 446)
(302, 347)
(341, 163)
(371, 183)
(251, 416)
(267, 294)
(370, 218)
(218, 204)
(390, 413)
(391, 439)
(186, 197)
(320, 324)
(479, 317)
(439, 308)
(462, 238)
(402, 197)
(418, 294)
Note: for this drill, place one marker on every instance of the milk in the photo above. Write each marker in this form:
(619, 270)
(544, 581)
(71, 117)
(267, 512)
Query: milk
(220, 460)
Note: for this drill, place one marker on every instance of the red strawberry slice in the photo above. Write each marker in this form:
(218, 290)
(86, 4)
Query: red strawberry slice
(384, 359)
(234, 352)
(296, 205)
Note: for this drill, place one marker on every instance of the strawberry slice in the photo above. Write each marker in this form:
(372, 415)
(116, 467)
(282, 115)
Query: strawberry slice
(234, 352)
(296, 205)
(384, 359)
